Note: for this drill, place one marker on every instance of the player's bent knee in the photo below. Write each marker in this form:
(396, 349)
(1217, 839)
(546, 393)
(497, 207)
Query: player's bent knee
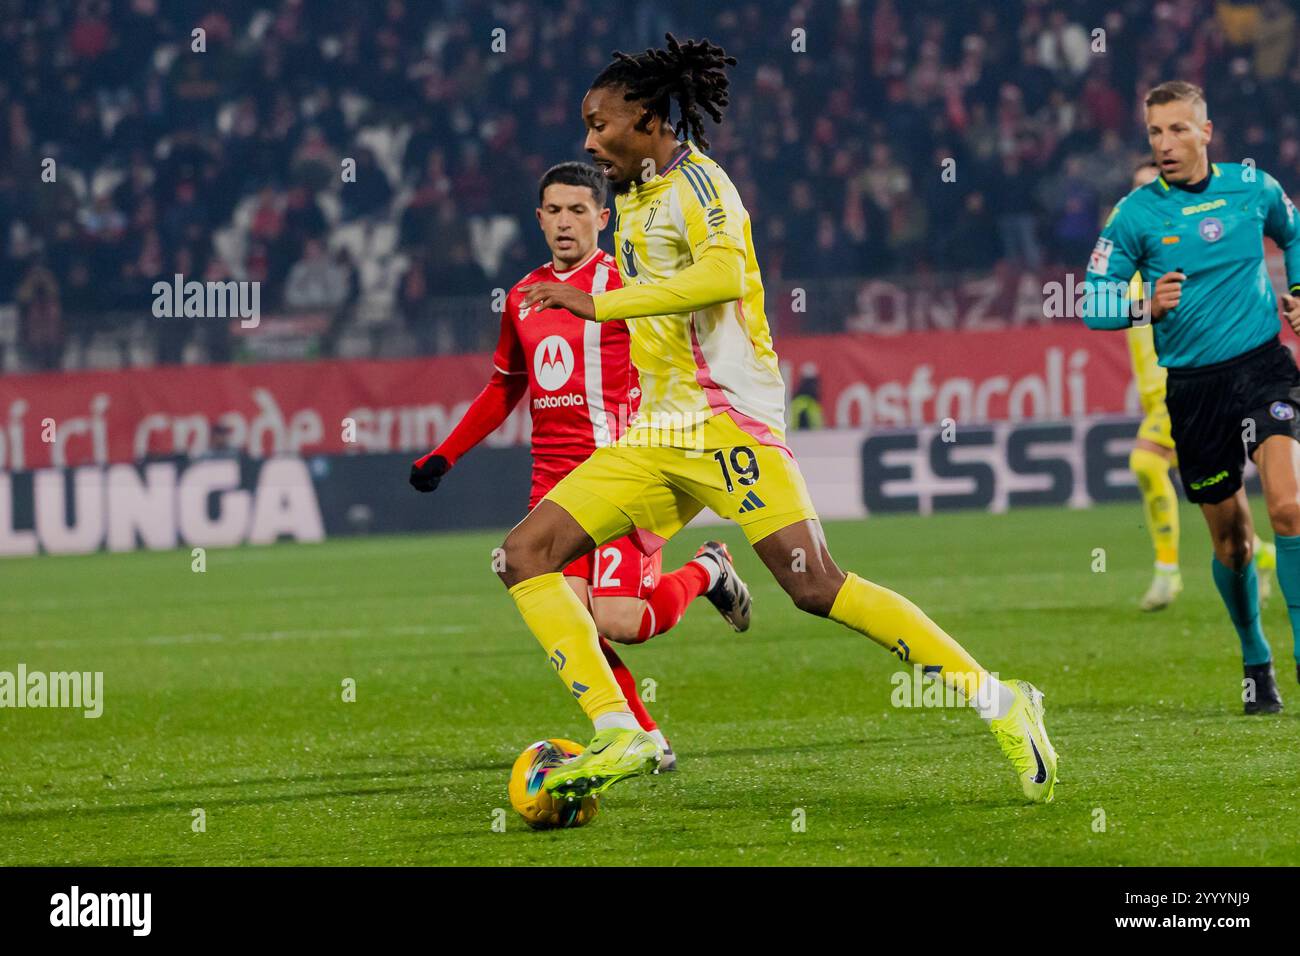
(618, 625)
(815, 595)
(1284, 517)
(1233, 551)
(522, 556)
(1146, 466)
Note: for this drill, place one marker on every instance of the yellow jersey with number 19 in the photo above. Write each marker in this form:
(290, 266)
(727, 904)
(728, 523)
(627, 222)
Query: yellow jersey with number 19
(706, 361)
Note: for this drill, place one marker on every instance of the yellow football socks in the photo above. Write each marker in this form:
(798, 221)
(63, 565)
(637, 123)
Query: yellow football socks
(898, 625)
(568, 635)
(1158, 502)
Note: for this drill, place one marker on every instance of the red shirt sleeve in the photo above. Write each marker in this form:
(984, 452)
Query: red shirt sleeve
(493, 405)
(509, 357)
(485, 414)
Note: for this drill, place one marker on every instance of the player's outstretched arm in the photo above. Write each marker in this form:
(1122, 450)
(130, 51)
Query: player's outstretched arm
(717, 276)
(490, 408)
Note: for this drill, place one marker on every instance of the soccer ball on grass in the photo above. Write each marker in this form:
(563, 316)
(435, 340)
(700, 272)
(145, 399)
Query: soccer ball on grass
(540, 810)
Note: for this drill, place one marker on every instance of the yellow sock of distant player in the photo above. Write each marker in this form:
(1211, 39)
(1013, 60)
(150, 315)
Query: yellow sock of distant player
(568, 635)
(898, 625)
(1158, 501)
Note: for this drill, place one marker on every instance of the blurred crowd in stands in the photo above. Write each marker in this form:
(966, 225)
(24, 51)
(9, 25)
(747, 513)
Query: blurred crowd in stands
(226, 163)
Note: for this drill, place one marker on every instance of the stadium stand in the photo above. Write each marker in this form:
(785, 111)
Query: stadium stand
(227, 163)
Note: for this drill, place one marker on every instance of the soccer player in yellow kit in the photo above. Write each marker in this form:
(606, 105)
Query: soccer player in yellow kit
(711, 430)
(1154, 454)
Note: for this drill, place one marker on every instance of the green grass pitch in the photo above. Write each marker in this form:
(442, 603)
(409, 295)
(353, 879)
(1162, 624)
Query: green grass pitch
(223, 692)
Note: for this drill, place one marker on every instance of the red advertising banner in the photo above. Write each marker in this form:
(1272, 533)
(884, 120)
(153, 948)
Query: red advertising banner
(1044, 373)
(337, 406)
(1035, 373)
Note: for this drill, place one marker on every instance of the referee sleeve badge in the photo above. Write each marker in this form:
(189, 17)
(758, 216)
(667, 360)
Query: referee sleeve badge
(1099, 262)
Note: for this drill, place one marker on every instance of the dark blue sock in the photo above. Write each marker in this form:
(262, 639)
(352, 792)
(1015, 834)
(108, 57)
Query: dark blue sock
(1240, 593)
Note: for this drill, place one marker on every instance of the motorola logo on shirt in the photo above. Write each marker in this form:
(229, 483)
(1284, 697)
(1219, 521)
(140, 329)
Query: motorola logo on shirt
(553, 362)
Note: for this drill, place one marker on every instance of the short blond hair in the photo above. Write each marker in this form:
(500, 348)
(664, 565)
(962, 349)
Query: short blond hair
(1174, 90)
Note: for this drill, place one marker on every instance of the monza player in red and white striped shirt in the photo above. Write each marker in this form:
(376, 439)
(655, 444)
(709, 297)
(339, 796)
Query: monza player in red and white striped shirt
(582, 386)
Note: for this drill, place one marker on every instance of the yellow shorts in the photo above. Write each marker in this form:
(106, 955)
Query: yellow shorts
(1155, 426)
(651, 492)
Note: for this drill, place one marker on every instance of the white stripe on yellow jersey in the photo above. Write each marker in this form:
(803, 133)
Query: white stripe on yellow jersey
(592, 363)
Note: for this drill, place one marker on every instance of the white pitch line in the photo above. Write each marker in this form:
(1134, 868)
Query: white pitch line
(155, 640)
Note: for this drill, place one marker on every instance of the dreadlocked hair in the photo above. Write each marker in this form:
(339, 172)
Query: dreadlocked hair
(692, 73)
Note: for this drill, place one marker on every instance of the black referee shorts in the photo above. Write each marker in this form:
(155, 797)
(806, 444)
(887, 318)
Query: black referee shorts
(1220, 413)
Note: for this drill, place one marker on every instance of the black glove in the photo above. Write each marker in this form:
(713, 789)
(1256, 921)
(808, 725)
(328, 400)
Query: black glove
(427, 472)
